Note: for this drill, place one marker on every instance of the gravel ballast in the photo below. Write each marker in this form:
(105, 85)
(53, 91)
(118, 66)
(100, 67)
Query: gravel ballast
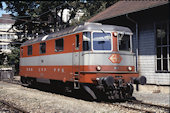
(33, 100)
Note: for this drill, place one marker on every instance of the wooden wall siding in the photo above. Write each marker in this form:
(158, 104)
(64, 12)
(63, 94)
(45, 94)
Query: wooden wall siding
(147, 56)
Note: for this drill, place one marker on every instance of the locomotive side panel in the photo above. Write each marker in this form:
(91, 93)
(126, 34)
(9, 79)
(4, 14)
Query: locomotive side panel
(56, 65)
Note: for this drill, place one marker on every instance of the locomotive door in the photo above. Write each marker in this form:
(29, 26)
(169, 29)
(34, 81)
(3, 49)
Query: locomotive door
(76, 63)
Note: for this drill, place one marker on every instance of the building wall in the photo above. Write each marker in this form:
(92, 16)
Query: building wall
(6, 37)
(147, 60)
(147, 55)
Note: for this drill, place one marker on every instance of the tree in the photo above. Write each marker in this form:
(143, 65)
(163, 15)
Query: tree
(33, 17)
(42, 17)
(2, 57)
(93, 7)
(13, 59)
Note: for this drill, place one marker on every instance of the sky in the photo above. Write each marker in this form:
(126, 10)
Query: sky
(2, 11)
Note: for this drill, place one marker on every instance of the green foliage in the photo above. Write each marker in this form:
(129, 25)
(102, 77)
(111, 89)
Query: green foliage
(13, 58)
(2, 57)
(41, 16)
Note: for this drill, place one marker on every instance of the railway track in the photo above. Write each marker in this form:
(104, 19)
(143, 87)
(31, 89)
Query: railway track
(129, 104)
(144, 107)
(7, 107)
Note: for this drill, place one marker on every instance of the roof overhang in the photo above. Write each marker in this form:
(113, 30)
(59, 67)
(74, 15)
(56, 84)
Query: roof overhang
(126, 7)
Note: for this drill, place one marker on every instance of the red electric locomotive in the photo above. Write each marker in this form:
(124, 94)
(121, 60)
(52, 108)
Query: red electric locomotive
(94, 57)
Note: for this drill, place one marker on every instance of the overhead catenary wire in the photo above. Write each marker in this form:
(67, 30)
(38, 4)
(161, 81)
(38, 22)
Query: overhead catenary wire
(31, 20)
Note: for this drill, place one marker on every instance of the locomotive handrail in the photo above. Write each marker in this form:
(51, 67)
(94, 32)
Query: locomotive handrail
(90, 72)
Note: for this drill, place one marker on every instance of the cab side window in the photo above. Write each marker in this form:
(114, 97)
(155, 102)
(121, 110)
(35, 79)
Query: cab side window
(59, 45)
(77, 41)
(86, 41)
(29, 48)
(42, 48)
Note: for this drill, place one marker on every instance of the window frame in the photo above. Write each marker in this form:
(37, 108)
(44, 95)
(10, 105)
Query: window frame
(62, 45)
(29, 50)
(40, 51)
(92, 48)
(90, 32)
(77, 42)
(162, 46)
(130, 34)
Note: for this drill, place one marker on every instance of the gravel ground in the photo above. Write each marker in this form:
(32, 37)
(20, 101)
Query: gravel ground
(6, 109)
(33, 100)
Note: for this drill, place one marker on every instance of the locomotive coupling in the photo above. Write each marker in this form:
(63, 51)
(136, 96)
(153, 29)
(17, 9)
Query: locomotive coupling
(107, 81)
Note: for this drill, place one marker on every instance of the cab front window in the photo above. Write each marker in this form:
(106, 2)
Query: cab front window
(102, 41)
(124, 42)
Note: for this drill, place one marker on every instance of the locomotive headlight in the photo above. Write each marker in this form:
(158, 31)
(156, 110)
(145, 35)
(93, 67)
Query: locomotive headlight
(98, 68)
(130, 68)
(115, 34)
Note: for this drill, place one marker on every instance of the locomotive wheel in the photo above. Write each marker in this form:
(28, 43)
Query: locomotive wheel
(31, 82)
(23, 80)
(129, 90)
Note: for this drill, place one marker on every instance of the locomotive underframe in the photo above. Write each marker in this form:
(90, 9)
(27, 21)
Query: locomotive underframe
(103, 86)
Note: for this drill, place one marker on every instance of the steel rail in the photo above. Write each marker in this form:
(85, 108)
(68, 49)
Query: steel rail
(13, 107)
(137, 109)
(134, 105)
(149, 104)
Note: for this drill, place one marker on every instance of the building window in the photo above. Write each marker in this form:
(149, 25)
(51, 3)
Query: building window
(59, 45)
(8, 36)
(42, 48)
(77, 41)
(29, 50)
(1, 37)
(4, 47)
(162, 48)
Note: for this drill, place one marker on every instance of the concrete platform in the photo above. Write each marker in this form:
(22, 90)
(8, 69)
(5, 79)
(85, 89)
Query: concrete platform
(154, 94)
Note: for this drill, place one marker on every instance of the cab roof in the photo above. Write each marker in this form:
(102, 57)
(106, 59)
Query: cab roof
(76, 29)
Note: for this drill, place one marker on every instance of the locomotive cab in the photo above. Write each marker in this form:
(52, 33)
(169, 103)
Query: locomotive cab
(106, 52)
(109, 63)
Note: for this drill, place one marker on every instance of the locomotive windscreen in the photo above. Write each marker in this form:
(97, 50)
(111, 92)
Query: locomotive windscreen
(101, 41)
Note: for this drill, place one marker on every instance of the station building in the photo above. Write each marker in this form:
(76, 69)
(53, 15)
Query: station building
(6, 35)
(149, 22)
